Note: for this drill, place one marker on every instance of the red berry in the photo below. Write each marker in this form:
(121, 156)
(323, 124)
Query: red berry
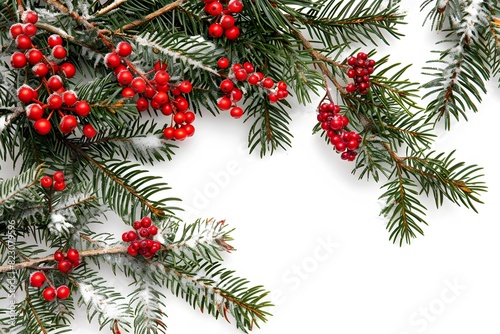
(350, 88)
(268, 83)
(161, 98)
(142, 104)
(169, 132)
(362, 56)
(189, 129)
(34, 56)
(272, 98)
(132, 235)
(42, 126)
(189, 117)
(49, 294)
(54, 82)
(124, 78)
(224, 103)
(34, 111)
(29, 29)
(235, 6)
(181, 103)
(227, 21)
(67, 124)
(160, 66)
(146, 222)
(54, 40)
(59, 52)
(82, 108)
(167, 109)
(125, 237)
(226, 86)
(241, 75)
(128, 92)
(69, 98)
(138, 85)
(248, 67)
(112, 60)
(153, 230)
(46, 181)
(223, 63)
(29, 16)
(123, 49)
(282, 85)
(23, 42)
(89, 131)
(179, 117)
(68, 70)
(253, 79)
(132, 251)
(40, 70)
(59, 186)
(161, 77)
(25, 93)
(213, 8)
(144, 232)
(58, 256)
(340, 146)
(58, 176)
(185, 87)
(62, 292)
(232, 33)
(215, 30)
(37, 279)
(73, 255)
(236, 112)
(180, 134)
(15, 30)
(18, 60)
(64, 266)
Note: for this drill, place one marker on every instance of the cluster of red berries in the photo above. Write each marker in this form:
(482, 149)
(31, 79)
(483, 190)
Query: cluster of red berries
(48, 71)
(56, 181)
(68, 261)
(334, 123)
(140, 240)
(225, 22)
(360, 68)
(156, 92)
(242, 73)
(38, 279)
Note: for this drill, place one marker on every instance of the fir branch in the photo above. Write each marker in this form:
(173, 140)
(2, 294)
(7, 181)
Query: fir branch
(165, 9)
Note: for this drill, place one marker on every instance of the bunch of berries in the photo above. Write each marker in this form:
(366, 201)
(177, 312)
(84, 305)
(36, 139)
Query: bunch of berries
(56, 181)
(245, 73)
(360, 68)
(154, 90)
(140, 240)
(50, 70)
(68, 261)
(38, 279)
(345, 142)
(224, 23)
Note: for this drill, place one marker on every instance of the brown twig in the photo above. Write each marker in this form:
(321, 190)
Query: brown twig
(153, 15)
(110, 7)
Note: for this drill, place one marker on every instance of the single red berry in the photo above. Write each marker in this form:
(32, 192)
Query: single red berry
(224, 103)
(69, 98)
(54, 101)
(42, 126)
(25, 93)
(236, 94)
(119, 68)
(253, 79)
(37, 279)
(268, 83)
(160, 66)
(34, 56)
(29, 16)
(73, 255)
(64, 266)
(181, 103)
(273, 98)
(179, 117)
(59, 186)
(232, 33)
(144, 232)
(67, 124)
(146, 222)
(236, 112)
(235, 6)
(49, 294)
(82, 108)
(213, 8)
(112, 60)
(155, 247)
(153, 230)
(189, 117)
(125, 237)
(167, 109)
(18, 60)
(34, 111)
(223, 63)
(161, 77)
(29, 29)
(169, 132)
(58, 256)
(62, 292)
(132, 251)
(54, 82)
(142, 104)
(123, 49)
(58, 176)
(215, 30)
(350, 88)
(23, 42)
(40, 70)
(282, 85)
(46, 181)
(226, 86)
(362, 56)
(180, 134)
(241, 75)
(248, 67)
(124, 78)
(340, 146)
(59, 52)
(128, 92)
(185, 87)
(227, 21)
(189, 128)
(68, 70)
(89, 131)
(132, 235)
(136, 225)
(138, 85)
(54, 40)
(15, 30)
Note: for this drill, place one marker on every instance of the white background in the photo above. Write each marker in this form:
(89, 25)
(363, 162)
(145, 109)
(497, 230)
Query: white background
(309, 231)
